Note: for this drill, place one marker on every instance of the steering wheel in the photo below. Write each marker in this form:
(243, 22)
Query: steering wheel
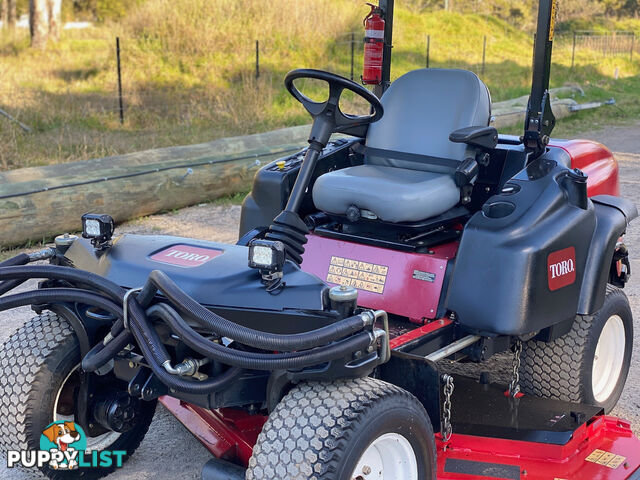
(327, 117)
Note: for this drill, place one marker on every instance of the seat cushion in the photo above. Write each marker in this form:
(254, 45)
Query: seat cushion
(392, 194)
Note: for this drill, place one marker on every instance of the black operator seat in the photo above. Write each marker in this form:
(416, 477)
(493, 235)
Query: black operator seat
(409, 167)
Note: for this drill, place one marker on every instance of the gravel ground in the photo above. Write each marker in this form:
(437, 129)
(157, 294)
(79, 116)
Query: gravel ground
(169, 451)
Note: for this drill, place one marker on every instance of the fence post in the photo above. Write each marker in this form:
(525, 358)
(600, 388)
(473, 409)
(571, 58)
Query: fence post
(484, 54)
(633, 44)
(121, 105)
(257, 59)
(428, 50)
(353, 51)
(573, 51)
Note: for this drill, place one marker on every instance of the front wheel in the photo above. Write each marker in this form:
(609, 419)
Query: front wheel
(39, 371)
(363, 429)
(588, 365)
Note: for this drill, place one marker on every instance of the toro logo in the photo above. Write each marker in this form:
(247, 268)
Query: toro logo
(186, 255)
(561, 268)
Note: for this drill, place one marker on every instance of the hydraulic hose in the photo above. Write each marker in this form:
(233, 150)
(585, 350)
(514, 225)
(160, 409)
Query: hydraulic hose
(70, 275)
(253, 360)
(158, 280)
(20, 259)
(318, 345)
(101, 353)
(57, 295)
(156, 354)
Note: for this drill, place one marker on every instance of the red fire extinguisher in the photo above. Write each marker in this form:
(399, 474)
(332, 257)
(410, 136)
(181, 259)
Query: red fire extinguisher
(373, 46)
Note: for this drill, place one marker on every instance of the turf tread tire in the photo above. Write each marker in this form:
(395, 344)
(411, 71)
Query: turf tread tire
(308, 432)
(556, 369)
(28, 363)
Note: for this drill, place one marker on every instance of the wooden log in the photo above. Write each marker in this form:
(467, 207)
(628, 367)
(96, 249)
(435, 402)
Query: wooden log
(513, 115)
(41, 202)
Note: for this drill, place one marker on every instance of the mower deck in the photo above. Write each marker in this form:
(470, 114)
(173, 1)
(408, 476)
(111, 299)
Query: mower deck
(494, 437)
(602, 448)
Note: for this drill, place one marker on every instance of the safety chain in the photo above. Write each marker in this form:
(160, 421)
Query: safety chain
(514, 387)
(447, 429)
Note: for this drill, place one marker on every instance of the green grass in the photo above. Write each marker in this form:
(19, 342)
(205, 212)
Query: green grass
(188, 72)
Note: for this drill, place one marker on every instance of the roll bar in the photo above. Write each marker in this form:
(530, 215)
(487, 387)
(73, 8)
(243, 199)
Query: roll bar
(540, 120)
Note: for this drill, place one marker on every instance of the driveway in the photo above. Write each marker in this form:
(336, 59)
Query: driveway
(169, 451)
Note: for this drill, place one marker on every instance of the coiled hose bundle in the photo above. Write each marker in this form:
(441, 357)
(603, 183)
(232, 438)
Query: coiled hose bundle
(296, 350)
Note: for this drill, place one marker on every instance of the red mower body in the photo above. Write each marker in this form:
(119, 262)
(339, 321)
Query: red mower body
(596, 161)
(410, 284)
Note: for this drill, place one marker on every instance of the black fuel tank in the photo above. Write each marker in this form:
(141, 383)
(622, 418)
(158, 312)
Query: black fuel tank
(521, 261)
(216, 275)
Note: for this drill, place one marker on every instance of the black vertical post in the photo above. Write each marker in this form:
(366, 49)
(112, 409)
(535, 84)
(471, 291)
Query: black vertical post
(257, 59)
(540, 120)
(573, 51)
(484, 55)
(633, 44)
(428, 50)
(353, 51)
(121, 105)
(387, 13)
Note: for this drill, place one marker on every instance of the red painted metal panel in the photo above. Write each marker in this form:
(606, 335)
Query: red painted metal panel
(231, 434)
(596, 161)
(227, 433)
(618, 449)
(419, 332)
(403, 283)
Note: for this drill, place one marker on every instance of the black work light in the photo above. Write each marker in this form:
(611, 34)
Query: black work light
(266, 255)
(98, 227)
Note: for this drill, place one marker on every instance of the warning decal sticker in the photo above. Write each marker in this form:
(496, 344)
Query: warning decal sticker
(606, 459)
(360, 275)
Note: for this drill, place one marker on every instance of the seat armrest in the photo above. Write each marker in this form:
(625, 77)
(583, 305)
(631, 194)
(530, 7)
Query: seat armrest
(482, 137)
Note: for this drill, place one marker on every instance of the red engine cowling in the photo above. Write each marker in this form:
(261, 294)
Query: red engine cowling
(373, 47)
(596, 161)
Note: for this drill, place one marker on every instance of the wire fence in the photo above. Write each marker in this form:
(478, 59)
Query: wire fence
(488, 60)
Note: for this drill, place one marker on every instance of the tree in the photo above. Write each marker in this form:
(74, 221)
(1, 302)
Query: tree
(44, 21)
(5, 13)
(38, 23)
(54, 11)
(8, 14)
(13, 15)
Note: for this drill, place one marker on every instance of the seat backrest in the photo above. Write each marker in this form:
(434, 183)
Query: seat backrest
(421, 109)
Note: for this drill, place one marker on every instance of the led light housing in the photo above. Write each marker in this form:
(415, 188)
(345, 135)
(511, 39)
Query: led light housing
(266, 255)
(98, 227)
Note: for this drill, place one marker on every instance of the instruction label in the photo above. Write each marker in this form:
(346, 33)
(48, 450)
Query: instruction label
(361, 275)
(606, 459)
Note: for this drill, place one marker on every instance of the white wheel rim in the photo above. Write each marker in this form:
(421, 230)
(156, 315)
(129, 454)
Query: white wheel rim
(608, 360)
(101, 442)
(388, 457)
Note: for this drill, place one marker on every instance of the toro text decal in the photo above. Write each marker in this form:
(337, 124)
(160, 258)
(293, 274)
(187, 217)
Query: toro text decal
(561, 268)
(186, 255)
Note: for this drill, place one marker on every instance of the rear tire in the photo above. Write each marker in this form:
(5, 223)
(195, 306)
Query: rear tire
(588, 365)
(344, 429)
(35, 362)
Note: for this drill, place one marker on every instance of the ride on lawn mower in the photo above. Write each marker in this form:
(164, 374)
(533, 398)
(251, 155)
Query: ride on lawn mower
(323, 345)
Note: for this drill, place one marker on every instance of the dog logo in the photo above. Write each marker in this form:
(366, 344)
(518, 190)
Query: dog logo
(63, 440)
(63, 446)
